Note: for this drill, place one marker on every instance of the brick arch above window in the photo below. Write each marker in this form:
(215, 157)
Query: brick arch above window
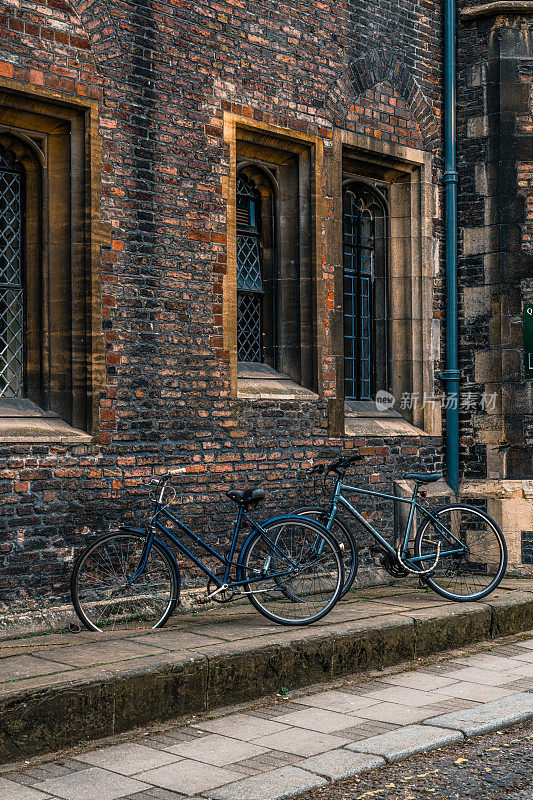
(396, 121)
(378, 68)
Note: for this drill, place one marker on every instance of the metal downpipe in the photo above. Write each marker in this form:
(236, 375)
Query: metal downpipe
(451, 373)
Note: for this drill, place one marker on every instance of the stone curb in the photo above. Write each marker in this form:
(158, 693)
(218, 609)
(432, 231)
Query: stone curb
(375, 752)
(37, 721)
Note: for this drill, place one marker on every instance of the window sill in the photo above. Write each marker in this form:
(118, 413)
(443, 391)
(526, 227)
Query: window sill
(382, 426)
(22, 422)
(261, 382)
(363, 418)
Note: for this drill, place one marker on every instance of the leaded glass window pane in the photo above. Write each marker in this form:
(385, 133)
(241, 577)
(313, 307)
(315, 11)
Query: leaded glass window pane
(248, 264)
(249, 272)
(359, 248)
(11, 292)
(248, 327)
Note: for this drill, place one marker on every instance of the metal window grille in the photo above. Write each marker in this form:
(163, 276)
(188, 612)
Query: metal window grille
(358, 278)
(11, 290)
(249, 272)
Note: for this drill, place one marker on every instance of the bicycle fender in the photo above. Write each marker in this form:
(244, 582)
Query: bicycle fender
(240, 554)
(162, 545)
(291, 518)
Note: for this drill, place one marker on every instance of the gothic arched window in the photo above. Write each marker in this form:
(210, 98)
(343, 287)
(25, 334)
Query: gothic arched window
(11, 277)
(364, 292)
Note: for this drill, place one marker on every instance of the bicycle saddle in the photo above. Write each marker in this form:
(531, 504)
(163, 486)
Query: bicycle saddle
(423, 477)
(246, 497)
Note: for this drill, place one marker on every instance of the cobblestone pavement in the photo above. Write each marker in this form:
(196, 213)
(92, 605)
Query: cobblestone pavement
(276, 750)
(496, 766)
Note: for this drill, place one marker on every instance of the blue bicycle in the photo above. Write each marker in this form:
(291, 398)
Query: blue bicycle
(290, 568)
(458, 550)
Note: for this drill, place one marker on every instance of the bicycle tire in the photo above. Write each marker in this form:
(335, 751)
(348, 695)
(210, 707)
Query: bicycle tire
(477, 544)
(142, 614)
(345, 539)
(294, 600)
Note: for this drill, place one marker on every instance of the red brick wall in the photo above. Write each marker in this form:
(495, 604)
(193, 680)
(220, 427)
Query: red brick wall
(163, 75)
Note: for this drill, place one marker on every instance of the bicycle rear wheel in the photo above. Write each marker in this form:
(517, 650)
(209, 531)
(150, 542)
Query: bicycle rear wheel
(100, 592)
(480, 560)
(297, 567)
(346, 541)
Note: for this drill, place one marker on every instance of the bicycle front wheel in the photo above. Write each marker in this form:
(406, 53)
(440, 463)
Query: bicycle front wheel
(294, 568)
(102, 595)
(473, 552)
(345, 539)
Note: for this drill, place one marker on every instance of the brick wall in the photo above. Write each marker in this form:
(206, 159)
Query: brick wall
(163, 76)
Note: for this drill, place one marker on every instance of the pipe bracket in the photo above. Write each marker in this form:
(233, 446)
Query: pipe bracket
(449, 375)
(450, 176)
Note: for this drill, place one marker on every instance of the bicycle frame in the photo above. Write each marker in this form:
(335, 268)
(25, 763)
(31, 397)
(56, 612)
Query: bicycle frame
(338, 500)
(227, 560)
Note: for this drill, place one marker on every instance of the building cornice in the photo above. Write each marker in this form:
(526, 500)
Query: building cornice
(514, 7)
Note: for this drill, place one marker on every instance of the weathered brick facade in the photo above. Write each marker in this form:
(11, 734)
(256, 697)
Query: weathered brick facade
(163, 79)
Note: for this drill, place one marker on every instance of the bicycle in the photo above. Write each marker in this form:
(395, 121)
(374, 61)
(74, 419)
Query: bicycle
(458, 551)
(289, 568)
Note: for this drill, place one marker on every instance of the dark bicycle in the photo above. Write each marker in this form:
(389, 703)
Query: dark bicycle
(458, 550)
(290, 568)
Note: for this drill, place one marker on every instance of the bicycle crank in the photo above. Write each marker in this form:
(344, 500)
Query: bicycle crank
(392, 566)
(220, 594)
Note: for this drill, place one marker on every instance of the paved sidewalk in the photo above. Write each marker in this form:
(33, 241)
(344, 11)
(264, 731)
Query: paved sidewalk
(47, 660)
(292, 745)
(60, 689)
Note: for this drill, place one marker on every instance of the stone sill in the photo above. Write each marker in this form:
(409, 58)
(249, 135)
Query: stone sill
(498, 489)
(381, 427)
(22, 422)
(273, 390)
(496, 7)
(257, 381)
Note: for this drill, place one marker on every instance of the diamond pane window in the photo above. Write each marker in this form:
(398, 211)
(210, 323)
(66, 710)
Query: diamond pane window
(249, 272)
(248, 264)
(11, 291)
(360, 208)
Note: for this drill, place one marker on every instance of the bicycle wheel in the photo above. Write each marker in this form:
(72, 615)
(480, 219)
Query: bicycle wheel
(480, 564)
(345, 540)
(299, 569)
(100, 592)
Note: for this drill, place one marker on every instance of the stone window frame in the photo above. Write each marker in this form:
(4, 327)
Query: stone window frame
(241, 136)
(413, 266)
(57, 138)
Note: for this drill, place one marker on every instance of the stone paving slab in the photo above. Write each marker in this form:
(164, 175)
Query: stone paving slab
(276, 785)
(232, 655)
(127, 759)
(217, 750)
(91, 784)
(13, 791)
(188, 777)
(338, 764)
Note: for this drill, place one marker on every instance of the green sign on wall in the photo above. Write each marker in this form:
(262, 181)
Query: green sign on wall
(528, 339)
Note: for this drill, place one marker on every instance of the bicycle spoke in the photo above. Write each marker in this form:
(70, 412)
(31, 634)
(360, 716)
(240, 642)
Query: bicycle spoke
(106, 598)
(478, 567)
(304, 592)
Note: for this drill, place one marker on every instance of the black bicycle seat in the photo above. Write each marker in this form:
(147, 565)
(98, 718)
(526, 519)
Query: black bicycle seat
(246, 497)
(423, 477)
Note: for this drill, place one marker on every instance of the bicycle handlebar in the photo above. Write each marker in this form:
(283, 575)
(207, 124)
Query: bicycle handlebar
(338, 465)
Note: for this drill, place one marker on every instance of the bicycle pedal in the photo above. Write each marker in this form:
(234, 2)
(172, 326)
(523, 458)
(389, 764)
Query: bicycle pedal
(202, 601)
